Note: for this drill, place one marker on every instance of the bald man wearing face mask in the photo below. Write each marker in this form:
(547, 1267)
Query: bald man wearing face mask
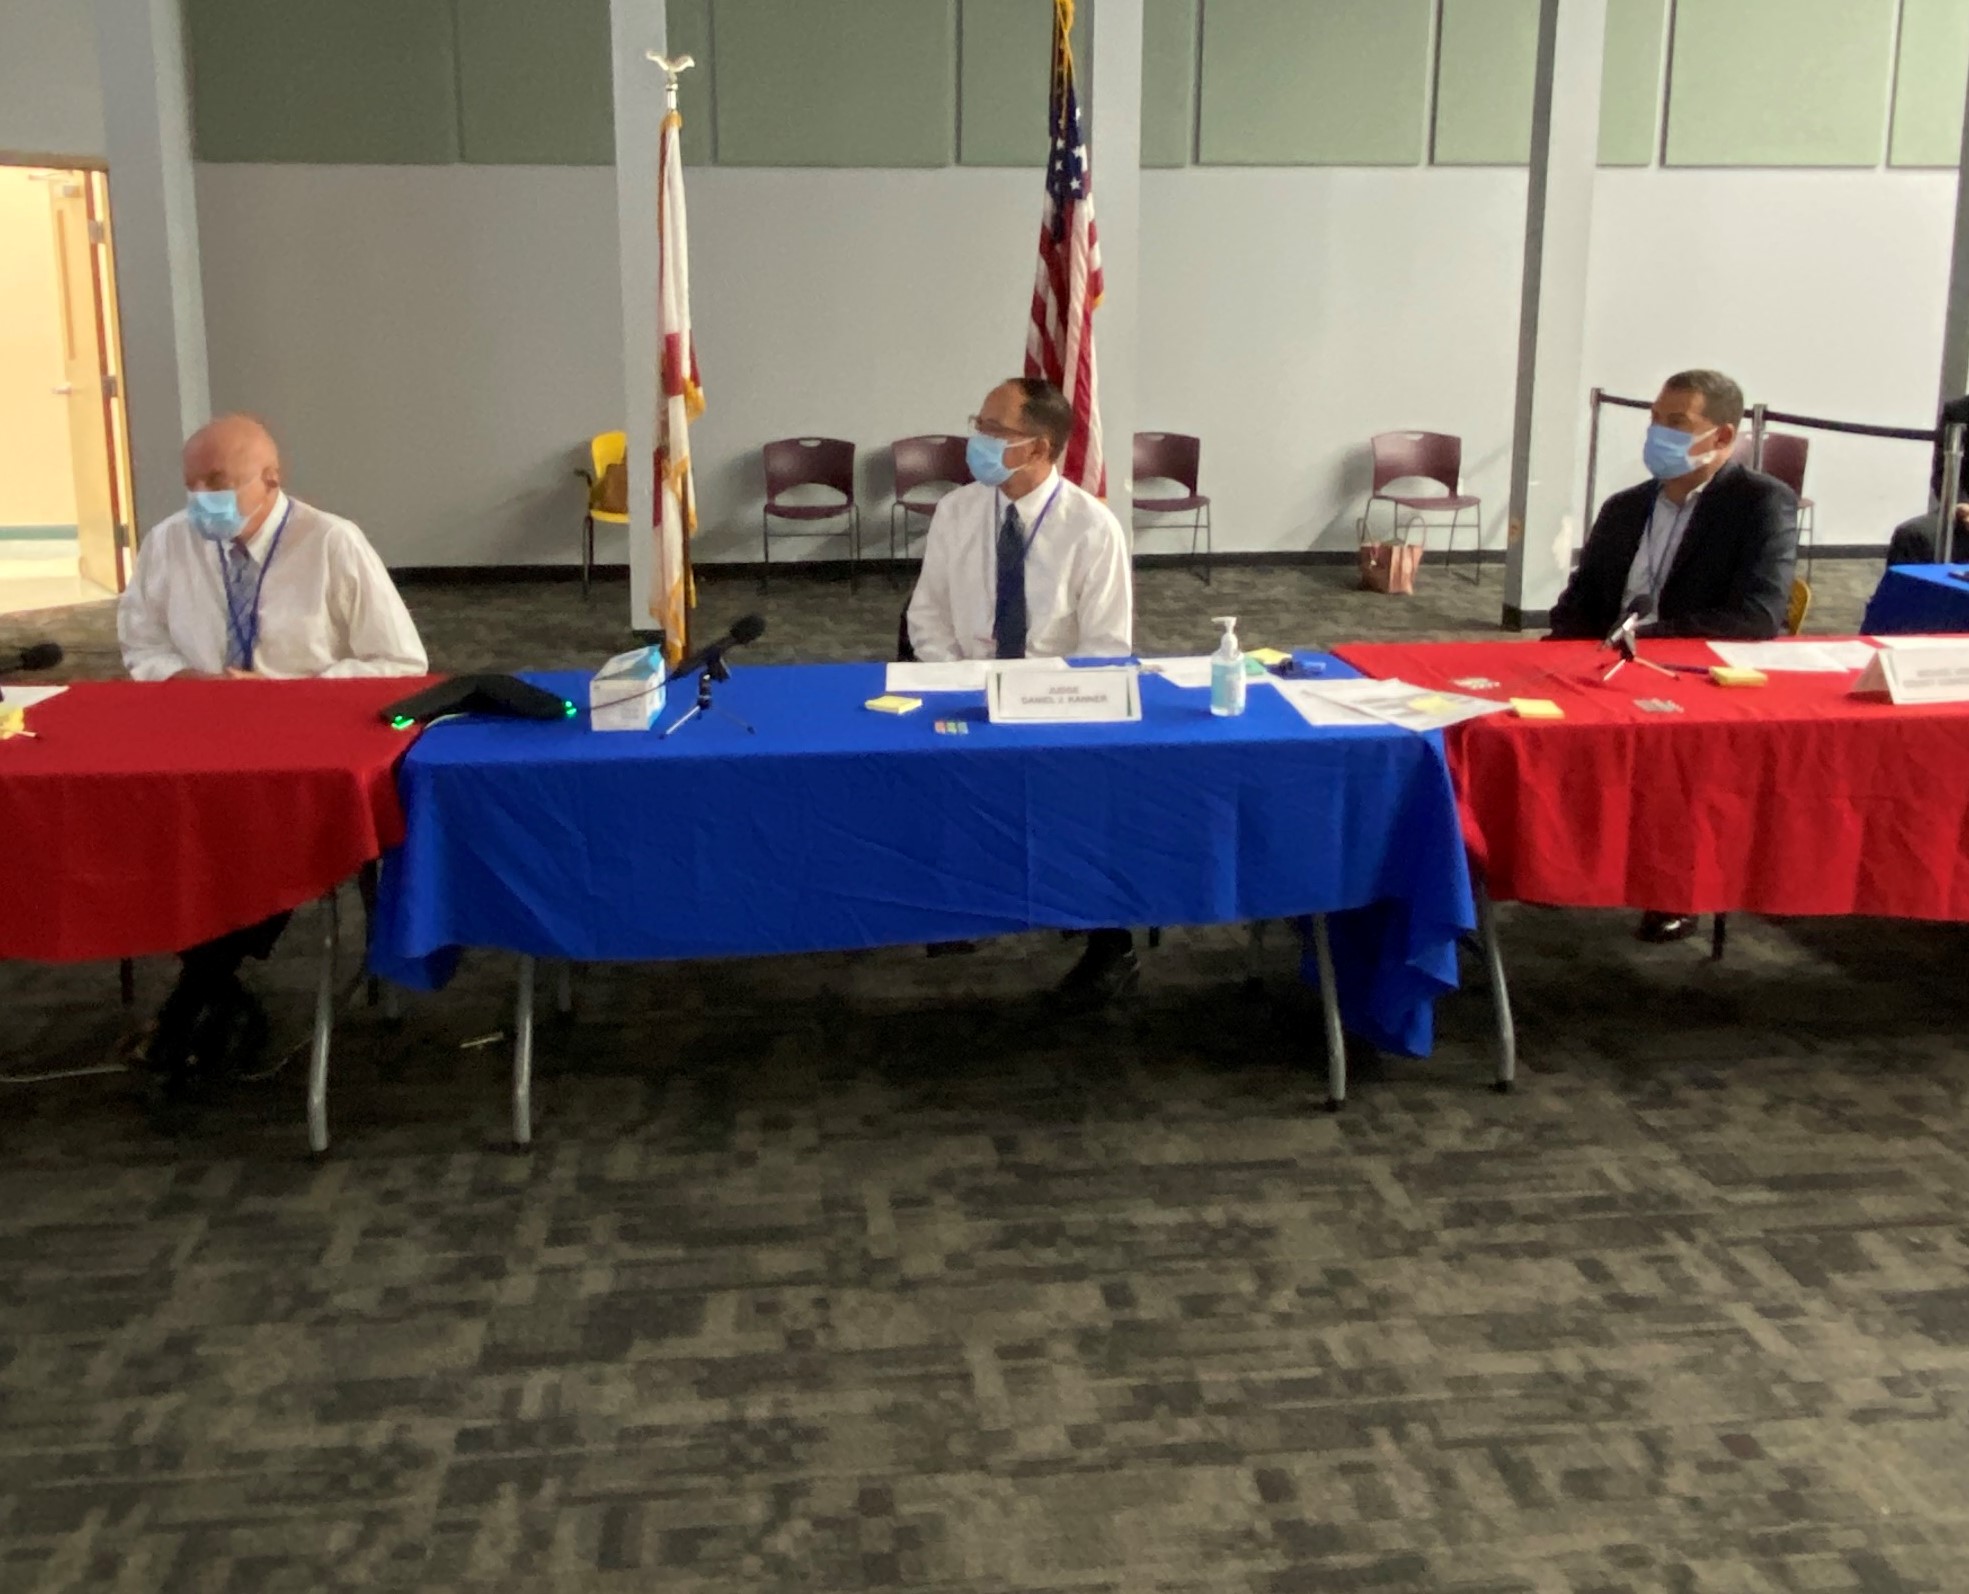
(248, 583)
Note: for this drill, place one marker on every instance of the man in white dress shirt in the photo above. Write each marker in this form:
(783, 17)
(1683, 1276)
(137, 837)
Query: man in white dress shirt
(248, 583)
(1022, 563)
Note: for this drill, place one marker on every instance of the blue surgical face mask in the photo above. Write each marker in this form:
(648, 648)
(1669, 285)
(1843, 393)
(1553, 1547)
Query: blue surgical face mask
(1670, 454)
(986, 457)
(214, 515)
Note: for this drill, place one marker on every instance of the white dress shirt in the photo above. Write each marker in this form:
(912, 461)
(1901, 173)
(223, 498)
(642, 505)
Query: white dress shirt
(327, 606)
(1079, 593)
(1660, 543)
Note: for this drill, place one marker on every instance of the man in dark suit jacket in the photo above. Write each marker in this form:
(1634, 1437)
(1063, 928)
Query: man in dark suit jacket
(1708, 544)
(1705, 549)
(1913, 542)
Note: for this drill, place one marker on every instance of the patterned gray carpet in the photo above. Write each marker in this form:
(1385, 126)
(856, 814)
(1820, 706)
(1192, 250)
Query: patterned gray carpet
(848, 1273)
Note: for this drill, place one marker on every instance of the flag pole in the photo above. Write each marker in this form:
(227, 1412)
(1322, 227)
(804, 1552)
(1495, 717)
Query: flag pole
(674, 67)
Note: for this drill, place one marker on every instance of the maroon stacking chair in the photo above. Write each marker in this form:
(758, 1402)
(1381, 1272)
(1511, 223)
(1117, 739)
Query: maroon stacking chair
(922, 463)
(1785, 454)
(810, 462)
(1173, 457)
(1436, 457)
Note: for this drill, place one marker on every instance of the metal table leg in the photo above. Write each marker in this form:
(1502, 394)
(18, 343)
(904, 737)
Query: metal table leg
(1500, 991)
(523, 1056)
(1336, 1041)
(324, 1026)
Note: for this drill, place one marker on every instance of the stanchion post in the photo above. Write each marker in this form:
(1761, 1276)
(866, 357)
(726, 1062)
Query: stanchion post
(1951, 491)
(1757, 427)
(1593, 399)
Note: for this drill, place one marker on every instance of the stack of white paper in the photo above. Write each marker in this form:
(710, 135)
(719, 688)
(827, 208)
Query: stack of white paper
(1818, 658)
(1413, 708)
(960, 675)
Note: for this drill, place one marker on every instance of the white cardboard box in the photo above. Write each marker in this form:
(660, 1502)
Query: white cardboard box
(626, 694)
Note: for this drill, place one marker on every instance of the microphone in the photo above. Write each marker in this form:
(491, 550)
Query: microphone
(1640, 609)
(745, 629)
(35, 656)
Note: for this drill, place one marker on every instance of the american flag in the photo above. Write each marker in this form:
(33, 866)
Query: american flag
(680, 401)
(1067, 289)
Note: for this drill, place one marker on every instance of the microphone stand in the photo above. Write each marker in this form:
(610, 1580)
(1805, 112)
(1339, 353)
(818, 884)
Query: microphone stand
(1629, 654)
(713, 669)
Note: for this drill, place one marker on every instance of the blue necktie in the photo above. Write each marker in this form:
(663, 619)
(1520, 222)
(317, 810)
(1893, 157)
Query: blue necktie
(238, 568)
(1009, 617)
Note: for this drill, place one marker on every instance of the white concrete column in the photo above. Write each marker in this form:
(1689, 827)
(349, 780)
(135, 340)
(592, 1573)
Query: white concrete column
(1955, 336)
(1111, 88)
(154, 215)
(636, 27)
(1551, 401)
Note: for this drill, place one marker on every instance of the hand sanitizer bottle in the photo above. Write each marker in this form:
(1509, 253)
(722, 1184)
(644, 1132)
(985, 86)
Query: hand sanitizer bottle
(1227, 670)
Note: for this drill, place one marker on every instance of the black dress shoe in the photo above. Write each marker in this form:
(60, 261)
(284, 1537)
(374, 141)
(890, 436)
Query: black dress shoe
(229, 1041)
(1100, 977)
(1658, 929)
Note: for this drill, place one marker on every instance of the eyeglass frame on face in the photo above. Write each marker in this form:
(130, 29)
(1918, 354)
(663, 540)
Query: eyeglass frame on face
(977, 423)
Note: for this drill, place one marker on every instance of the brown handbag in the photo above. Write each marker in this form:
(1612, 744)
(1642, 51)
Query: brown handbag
(1389, 566)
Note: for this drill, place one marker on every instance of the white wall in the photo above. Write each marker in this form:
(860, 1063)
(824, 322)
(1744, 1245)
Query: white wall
(51, 101)
(1823, 293)
(428, 343)
(432, 342)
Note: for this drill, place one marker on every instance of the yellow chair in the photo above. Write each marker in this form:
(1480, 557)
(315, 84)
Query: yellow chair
(604, 449)
(1799, 607)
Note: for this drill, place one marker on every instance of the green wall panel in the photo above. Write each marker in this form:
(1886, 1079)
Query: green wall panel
(1006, 75)
(1168, 81)
(1930, 81)
(1485, 64)
(534, 83)
(687, 24)
(1630, 82)
(1314, 82)
(835, 82)
(1779, 82)
(359, 82)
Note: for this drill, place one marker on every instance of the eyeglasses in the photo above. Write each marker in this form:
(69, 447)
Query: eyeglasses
(977, 423)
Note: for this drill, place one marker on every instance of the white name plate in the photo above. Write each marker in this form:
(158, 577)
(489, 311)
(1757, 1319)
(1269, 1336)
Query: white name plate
(1931, 673)
(1022, 694)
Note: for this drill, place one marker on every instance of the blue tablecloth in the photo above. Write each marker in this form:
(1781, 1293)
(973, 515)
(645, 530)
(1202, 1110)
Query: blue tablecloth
(836, 828)
(1918, 600)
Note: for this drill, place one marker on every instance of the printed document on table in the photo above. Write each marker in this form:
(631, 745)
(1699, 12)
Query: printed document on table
(25, 697)
(1818, 658)
(1193, 673)
(960, 675)
(1412, 707)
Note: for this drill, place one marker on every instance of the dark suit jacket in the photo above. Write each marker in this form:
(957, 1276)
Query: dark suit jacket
(1731, 576)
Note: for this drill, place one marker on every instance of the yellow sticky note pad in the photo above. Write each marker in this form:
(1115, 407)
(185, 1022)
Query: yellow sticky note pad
(1268, 656)
(889, 703)
(1733, 675)
(1536, 708)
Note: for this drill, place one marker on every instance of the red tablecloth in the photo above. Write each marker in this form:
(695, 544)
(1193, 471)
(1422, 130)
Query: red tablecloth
(1791, 798)
(149, 817)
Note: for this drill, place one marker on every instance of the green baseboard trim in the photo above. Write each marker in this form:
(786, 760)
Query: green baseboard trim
(37, 534)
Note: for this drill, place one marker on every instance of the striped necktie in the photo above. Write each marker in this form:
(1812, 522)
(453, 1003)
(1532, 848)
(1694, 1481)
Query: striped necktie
(240, 594)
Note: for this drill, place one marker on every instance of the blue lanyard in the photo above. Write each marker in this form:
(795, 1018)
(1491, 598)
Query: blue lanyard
(249, 638)
(1044, 510)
